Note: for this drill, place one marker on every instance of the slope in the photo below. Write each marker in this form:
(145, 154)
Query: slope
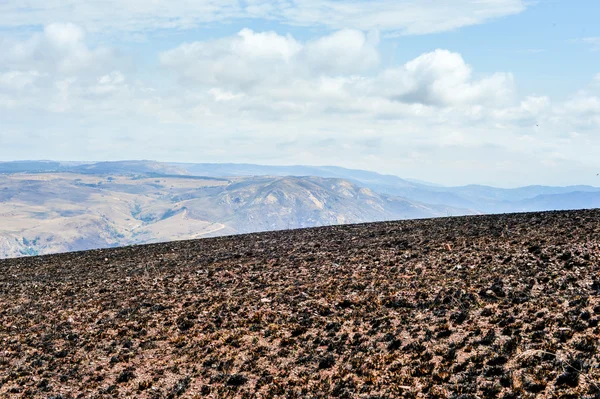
(483, 306)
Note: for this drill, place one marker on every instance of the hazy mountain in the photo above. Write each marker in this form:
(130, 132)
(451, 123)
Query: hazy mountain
(355, 175)
(565, 201)
(483, 198)
(48, 206)
(30, 166)
(118, 167)
(66, 211)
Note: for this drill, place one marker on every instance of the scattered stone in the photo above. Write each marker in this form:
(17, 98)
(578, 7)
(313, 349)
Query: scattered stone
(237, 380)
(125, 376)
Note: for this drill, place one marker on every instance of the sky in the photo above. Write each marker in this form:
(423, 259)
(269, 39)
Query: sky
(497, 92)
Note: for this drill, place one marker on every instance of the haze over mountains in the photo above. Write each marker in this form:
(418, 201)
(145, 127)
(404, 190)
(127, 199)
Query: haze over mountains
(48, 207)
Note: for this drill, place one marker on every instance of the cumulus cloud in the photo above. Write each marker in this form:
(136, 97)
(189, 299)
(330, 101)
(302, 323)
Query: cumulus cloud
(64, 35)
(535, 104)
(584, 105)
(581, 111)
(59, 48)
(531, 112)
(57, 70)
(442, 77)
(252, 60)
(338, 65)
(16, 87)
(108, 84)
(404, 17)
(243, 60)
(345, 51)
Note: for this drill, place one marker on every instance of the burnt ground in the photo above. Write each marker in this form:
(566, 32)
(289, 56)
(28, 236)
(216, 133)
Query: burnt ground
(473, 307)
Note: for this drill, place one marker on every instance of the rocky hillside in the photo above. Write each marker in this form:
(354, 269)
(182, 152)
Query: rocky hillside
(47, 212)
(501, 306)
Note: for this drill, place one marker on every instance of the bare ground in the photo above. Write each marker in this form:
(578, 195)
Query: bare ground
(474, 307)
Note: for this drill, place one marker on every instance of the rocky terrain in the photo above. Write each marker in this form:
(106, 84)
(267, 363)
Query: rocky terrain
(503, 306)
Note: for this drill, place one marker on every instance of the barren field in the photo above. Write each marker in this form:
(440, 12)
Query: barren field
(473, 307)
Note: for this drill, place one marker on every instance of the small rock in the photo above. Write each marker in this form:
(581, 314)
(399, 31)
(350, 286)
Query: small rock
(237, 380)
(327, 362)
(569, 378)
(125, 376)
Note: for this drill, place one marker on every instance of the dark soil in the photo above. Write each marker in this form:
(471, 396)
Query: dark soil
(474, 307)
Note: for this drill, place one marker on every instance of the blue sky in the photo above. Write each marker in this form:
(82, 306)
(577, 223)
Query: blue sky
(501, 92)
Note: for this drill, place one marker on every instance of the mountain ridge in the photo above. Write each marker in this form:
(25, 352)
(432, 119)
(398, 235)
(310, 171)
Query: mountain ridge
(60, 212)
(102, 204)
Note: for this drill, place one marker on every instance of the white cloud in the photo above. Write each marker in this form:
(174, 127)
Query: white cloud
(400, 17)
(108, 84)
(243, 60)
(278, 66)
(114, 77)
(64, 35)
(56, 69)
(584, 105)
(328, 68)
(223, 95)
(59, 48)
(442, 78)
(535, 104)
(18, 80)
(531, 112)
(268, 97)
(345, 51)
(128, 16)
(582, 112)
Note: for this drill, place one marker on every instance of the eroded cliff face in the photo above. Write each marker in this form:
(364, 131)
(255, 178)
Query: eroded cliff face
(483, 306)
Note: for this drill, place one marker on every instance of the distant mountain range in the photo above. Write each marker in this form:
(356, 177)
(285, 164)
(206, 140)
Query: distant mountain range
(48, 207)
(483, 199)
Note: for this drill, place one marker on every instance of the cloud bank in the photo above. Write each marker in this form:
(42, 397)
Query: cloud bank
(395, 17)
(269, 97)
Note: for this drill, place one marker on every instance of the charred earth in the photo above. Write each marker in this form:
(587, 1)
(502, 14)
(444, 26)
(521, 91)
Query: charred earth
(502, 306)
